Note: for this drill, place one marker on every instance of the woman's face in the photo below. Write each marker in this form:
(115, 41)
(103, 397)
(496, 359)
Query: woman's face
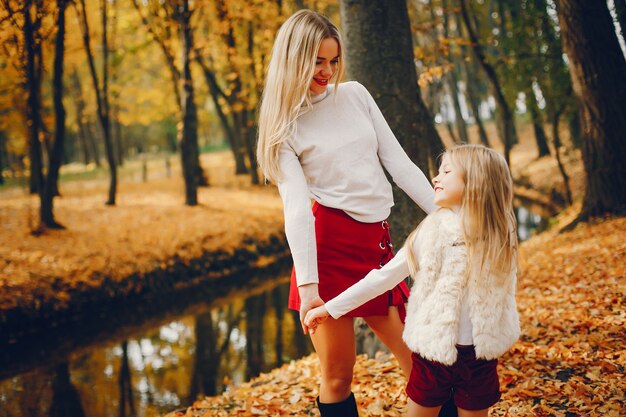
(325, 65)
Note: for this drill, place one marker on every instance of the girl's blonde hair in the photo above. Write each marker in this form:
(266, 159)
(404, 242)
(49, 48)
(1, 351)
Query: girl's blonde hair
(487, 216)
(286, 92)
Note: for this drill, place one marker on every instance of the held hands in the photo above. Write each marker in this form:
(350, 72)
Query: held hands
(315, 317)
(309, 299)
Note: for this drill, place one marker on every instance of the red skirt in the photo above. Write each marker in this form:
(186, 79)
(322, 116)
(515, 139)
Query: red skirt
(347, 250)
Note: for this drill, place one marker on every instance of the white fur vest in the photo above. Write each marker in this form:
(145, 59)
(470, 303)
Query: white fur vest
(433, 309)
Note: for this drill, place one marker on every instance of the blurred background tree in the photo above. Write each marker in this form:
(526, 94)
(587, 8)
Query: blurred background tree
(131, 80)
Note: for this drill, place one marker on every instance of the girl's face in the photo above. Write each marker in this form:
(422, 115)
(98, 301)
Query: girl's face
(449, 185)
(325, 65)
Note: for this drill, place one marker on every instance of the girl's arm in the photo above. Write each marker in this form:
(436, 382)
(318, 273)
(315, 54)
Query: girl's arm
(404, 172)
(375, 283)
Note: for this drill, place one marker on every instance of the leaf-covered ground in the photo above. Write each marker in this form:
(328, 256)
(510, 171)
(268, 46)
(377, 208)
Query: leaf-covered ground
(149, 226)
(570, 360)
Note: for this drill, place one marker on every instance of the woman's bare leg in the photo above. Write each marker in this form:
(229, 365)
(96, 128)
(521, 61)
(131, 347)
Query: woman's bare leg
(389, 330)
(335, 345)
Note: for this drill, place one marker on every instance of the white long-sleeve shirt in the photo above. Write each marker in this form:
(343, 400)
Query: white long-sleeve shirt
(336, 157)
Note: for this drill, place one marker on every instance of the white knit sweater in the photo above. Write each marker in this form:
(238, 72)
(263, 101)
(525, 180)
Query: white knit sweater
(434, 307)
(336, 157)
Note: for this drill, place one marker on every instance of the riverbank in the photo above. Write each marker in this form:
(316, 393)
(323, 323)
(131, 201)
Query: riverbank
(149, 242)
(568, 362)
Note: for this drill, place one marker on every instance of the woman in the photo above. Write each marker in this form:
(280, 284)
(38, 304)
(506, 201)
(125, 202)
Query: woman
(330, 142)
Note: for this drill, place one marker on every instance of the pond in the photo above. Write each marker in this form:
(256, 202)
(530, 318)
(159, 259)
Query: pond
(147, 367)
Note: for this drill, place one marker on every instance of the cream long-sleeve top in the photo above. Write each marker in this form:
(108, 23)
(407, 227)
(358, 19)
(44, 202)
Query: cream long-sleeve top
(446, 307)
(336, 157)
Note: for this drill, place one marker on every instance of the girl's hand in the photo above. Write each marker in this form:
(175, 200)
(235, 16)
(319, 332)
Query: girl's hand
(315, 317)
(309, 298)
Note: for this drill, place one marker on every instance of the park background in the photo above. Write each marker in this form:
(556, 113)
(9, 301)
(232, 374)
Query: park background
(143, 262)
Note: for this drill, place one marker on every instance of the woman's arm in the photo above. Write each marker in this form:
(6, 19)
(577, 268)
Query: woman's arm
(300, 229)
(299, 220)
(404, 172)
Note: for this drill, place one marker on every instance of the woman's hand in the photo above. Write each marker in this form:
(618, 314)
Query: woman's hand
(309, 299)
(315, 317)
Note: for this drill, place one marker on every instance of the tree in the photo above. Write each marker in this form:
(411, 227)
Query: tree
(102, 95)
(379, 31)
(189, 138)
(27, 18)
(3, 155)
(508, 122)
(163, 21)
(597, 68)
(55, 156)
(453, 82)
(473, 85)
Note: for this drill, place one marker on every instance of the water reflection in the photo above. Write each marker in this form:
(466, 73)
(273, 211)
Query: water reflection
(528, 223)
(166, 367)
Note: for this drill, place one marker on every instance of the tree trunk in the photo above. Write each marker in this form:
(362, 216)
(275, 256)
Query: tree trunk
(540, 134)
(453, 83)
(471, 87)
(85, 130)
(30, 28)
(101, 94)
(250, 137)
(597, 68)
(573, 123)
(105, 111)
(82, 138)
(232, 99)
(475, 106)
(3, 156)
(379, 31)
(189, 138)
(508, 123)
(56, 153)
(557, 151)
(227, 124)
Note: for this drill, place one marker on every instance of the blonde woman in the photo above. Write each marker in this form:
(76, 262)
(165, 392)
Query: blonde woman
(326, 141)
(462, 313)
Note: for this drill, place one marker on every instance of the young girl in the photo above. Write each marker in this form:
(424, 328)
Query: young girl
(461, 314)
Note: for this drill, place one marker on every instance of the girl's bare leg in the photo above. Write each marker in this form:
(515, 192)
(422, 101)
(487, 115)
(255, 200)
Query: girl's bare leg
(335, 345)
(389, 330)
(416, 410)
(473, 413)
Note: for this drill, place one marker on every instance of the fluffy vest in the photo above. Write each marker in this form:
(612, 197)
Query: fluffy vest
(433, 309)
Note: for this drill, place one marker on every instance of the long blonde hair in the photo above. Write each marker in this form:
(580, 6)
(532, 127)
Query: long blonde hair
(487, 216)
(286, 92)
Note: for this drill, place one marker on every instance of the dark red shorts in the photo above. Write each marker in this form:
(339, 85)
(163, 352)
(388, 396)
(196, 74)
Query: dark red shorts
(347, 250)
(472, 383)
